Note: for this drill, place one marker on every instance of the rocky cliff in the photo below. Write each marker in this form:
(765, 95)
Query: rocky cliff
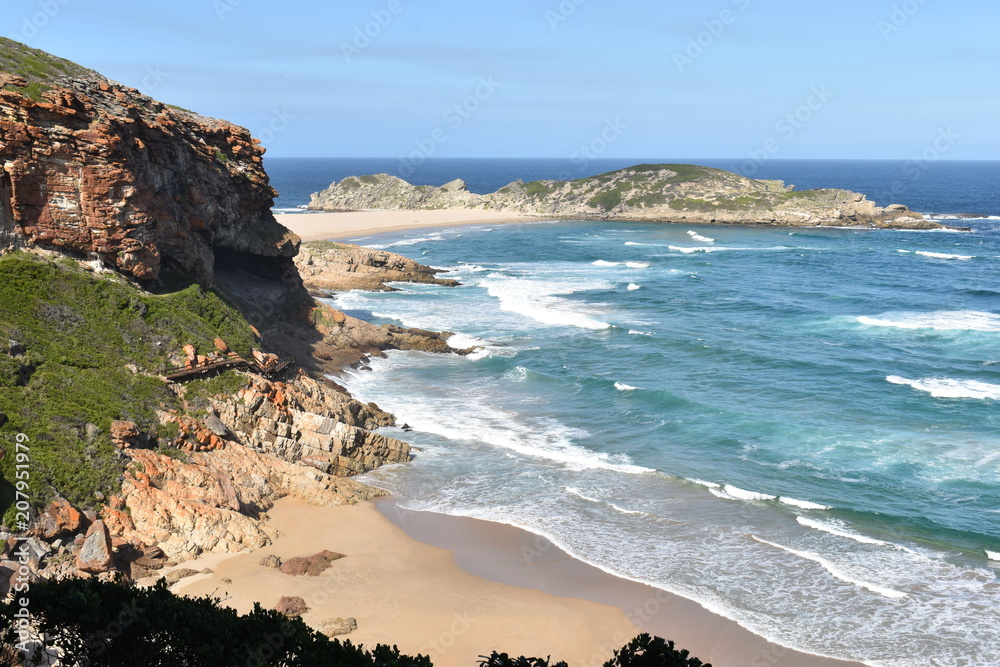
(141, 470)
(96, 168)
(648, 192)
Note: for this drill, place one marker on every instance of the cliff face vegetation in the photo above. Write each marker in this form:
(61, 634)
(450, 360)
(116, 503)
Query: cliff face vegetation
(651, 192)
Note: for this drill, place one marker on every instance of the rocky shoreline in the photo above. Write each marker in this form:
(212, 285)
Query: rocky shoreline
(650, 193)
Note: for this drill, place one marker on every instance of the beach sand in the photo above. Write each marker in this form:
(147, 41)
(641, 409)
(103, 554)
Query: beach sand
(457, 588)
(323, 226)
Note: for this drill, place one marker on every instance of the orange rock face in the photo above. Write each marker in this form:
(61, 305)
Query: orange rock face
(100, 169)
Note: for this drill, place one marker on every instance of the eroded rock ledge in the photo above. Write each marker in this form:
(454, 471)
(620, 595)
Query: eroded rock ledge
(340, 267)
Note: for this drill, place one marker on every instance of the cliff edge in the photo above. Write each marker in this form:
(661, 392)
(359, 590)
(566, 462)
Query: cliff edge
(92, 167)
(646, 192)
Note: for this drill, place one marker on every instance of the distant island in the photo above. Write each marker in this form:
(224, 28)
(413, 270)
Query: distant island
(681, 193)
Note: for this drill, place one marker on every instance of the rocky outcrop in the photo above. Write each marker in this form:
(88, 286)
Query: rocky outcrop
(216, 501)
(90, 166)
(311, 566)
(660, 192)
(340, 267)
(291, 606)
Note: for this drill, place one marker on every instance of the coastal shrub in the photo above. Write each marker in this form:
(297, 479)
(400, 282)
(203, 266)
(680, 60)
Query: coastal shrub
(94, 345)
(643, 651)
(323, 246)
(535, 188)
(107, 624)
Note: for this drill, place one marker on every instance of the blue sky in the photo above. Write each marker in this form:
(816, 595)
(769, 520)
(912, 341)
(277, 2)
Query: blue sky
(634, 78)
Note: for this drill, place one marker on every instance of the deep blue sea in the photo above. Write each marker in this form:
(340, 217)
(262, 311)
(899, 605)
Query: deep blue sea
(798, 428)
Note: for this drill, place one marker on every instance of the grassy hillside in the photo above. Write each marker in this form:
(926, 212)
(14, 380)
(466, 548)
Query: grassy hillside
(81, 332)
(39, 68)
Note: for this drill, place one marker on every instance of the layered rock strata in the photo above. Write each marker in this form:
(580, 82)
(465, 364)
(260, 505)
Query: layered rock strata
(340, 267)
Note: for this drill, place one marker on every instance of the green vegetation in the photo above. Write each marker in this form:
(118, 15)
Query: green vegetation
(608, 199)
(197, 392)
(36, 66)
(647, 200)
(535, 188)
(350, 183)
(110, 624)
(106, 624)
(693, 204)
(174, 106)
(221, 157)
(80, 332)
(369, 179)
(323, 246)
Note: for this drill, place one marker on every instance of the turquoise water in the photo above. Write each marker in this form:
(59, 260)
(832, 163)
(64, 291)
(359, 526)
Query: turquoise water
(796, 428)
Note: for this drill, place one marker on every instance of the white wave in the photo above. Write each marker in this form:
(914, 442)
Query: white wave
(601, 262)
(462, 341)
(539, 300)
(942, 255)
(621, 386)
(632, 243)
(698, 237)
(701, 482)
(636, 332)
(637, 265)
(838, 529)
(743, 494)
(941, 320)
(836, 571)
(950, 388)
(572, 490)
(993, 555)
(802, 504)
(632, 287)
(907, 252)
(404, 242)
(688, 250)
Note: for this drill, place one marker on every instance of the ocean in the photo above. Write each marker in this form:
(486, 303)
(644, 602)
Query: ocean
(797, 428)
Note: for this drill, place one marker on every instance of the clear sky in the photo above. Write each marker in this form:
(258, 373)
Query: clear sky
(543, 78)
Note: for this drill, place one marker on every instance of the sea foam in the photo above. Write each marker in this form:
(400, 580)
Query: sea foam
(942, 255)
(540, 300)
(950, 388)
(941, 320)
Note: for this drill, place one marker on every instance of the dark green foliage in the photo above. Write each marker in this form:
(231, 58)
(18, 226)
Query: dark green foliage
(503, 660)
(80, 331)
(104, 624)
(350, 183)
(643, 651)
(606, 200)
(646, 651)
(369, 179)
(221, 157)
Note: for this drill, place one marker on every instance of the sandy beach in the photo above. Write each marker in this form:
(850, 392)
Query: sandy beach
(458, 588)
(323, 226)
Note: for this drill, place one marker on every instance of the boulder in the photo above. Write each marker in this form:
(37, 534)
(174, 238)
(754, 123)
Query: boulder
(124, 434)
(312, 566)
(291, 606)
(271, 560)
(59, 518)
(333, 627)
(95, 555)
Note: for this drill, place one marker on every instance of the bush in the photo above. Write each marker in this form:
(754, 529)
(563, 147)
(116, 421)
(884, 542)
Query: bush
(105, 624)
